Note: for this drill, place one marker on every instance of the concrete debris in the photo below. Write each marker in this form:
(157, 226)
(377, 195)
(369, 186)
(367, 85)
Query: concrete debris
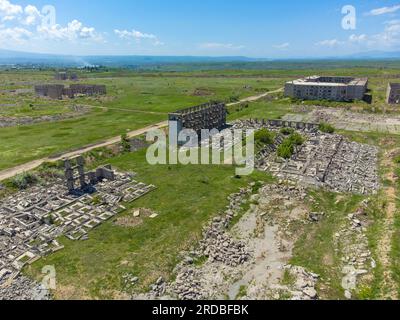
(32, 220)
(23, 288)
(324, 160)
(352, 243)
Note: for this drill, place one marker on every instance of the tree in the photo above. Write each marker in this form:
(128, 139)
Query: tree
(125, 143)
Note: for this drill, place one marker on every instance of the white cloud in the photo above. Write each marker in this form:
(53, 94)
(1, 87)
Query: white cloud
(216, 45)
(16, 35)
(32, 15)
(361, 39)
(74, 30)
(329, 43)
(138, 36)
(384, 10)
(390, 37)
(282, 46)
(9, 10)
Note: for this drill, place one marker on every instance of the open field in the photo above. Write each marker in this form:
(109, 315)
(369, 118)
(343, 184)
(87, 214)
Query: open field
(187, 197)
(131, 103)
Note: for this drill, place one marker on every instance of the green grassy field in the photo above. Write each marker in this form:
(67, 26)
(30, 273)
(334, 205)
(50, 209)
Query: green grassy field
(186, 196)
(137, 99)
(131, 103)
(185, 199)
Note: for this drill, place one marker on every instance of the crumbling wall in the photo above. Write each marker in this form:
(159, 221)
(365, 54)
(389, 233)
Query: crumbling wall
(57, 91)
(207, 116)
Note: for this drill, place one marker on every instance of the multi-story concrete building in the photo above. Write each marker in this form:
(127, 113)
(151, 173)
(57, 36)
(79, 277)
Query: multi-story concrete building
(207, 116)
(393, 93)
(327, 88)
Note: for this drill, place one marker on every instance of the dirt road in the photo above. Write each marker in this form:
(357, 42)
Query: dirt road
(9, 173)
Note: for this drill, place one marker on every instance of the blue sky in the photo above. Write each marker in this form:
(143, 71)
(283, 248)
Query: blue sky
(255, 28)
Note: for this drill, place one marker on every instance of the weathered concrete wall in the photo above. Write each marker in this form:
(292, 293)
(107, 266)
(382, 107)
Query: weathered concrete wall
(207, 116)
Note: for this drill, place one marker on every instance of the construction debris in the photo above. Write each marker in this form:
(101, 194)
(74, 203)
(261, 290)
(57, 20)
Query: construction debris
(31, 221)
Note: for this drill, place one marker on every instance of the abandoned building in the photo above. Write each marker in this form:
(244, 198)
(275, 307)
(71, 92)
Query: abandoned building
(63, 76)
(327, 88)
(206, 116)
(32, 220)
(329, 161)
(393, 93)
(58, 91)
(75, 171)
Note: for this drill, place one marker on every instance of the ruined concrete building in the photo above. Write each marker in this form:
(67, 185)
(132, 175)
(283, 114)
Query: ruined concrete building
(207, 116)
(393, 93)
(327, 88)
(58, 91)
(32, 220)
(75, 171)
(63, 76)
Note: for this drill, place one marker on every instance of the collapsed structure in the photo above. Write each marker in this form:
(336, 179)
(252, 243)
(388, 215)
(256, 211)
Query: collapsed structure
(32, 220)
(206, 116)
(77, 165)
(63, 76)
(327, 88)
(325, 160)
(58, 91)
(393, 93)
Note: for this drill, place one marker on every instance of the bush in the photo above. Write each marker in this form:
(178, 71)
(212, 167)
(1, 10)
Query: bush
(287, 131)
(397, 159)
(326, 128)
(24, 180)
(264, 136)
(297, 139)
(286, 149)
(125, 143)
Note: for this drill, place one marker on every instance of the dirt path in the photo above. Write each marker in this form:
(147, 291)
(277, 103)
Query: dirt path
(127, 110)
(385, 243)
(9, 173)
(255, 98)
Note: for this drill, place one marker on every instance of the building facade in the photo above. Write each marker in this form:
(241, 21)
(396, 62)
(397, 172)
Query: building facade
(207, 116)
(327, 88)
(393, 93)
(58, 91)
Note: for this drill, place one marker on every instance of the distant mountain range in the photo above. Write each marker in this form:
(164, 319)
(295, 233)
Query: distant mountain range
(8, 57)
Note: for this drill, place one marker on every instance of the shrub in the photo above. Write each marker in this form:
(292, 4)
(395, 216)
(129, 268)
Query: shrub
(125, 143)
(286, 149)
(297, 139)
(264, 136)
(24, 180)
(326, 128)
(397, 159)
(287, 131)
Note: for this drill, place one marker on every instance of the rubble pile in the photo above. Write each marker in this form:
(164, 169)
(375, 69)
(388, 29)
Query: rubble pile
(32, 220)
(352, 243)
(23, 288)
(304, 285)
(324, 160)
(217, 246)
